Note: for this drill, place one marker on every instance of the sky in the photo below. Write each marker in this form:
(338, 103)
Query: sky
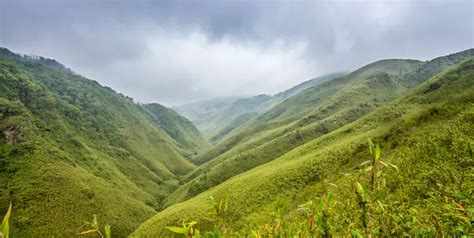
(177, 52)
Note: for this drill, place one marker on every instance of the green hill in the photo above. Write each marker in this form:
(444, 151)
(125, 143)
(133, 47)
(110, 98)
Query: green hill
(70, 148)
(200, 113)
(217, 118)
(186, 135)
(312, 113)
(426, 132)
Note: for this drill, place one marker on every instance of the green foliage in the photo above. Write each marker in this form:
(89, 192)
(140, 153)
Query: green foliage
(317, 215)
(93, 227)
(374, 163)
(70, 147)
(218, 118)
(427, 133)
(312, 113)
(187, 230)
(218, 214)
(5, 227)
(178, 127)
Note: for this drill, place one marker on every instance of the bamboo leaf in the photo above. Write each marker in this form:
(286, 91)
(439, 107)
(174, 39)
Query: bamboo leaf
(5, 223)
(393, 166)
(381, 205)
(88, 232)
(368, 169)
(7, 216)
(371, 146)
(221, 206)
(459, 206)
(357, 234)
(95, 224)
(226, 203)
(379, 173)
(6, 230)
(329, 198)
(178, 230)
(388, 164)
(108, 231)
(190, 224)
(365, 162)
(359, 189)
(383, 163)
(377, 152)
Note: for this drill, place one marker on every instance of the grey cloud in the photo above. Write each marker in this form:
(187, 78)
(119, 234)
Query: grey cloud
(181, 51)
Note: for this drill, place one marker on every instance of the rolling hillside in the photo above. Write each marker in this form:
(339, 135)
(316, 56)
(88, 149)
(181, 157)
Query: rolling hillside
(199, 113)
(312, 113)
(71, 148)
(185, 134)
(217, 118)
(426, 132)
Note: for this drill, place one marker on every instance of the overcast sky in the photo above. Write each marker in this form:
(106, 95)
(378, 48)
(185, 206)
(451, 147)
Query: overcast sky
(175, 52)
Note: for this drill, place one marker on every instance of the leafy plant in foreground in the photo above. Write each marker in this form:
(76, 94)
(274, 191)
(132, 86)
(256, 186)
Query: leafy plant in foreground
(5, 228)
(318, 214)
(364, 198)
(187, 230)
(374, 164)
(218, 214)
(95, 229)
(363, 202)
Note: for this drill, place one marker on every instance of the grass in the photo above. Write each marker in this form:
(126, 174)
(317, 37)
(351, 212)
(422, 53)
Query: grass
(70, 147)
(310, 114)
(426, 134)
(218, 118)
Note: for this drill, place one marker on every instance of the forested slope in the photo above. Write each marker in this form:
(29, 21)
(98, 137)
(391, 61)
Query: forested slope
(71, 148)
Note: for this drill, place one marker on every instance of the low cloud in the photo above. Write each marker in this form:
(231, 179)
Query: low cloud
(179, 68)
(175, 52)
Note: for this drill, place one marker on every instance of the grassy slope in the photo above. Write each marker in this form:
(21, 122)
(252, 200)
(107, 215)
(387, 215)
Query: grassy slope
(200, 113)
(310, 114)
(178, 127)
(298, 106)
(70, 148)
(218, 118)
(427, 133)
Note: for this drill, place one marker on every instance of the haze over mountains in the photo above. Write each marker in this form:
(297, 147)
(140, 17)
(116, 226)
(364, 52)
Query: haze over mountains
(216, 118)
(71, 147)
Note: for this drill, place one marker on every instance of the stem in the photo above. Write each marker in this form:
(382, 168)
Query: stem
(374, 171)
(369, 235)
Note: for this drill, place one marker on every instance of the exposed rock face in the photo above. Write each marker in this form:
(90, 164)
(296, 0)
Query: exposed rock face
(13, 134)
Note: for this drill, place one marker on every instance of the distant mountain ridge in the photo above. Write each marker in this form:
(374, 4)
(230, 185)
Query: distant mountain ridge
(216, 118)
(313, 112)
(316, 142)
(70, 148)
